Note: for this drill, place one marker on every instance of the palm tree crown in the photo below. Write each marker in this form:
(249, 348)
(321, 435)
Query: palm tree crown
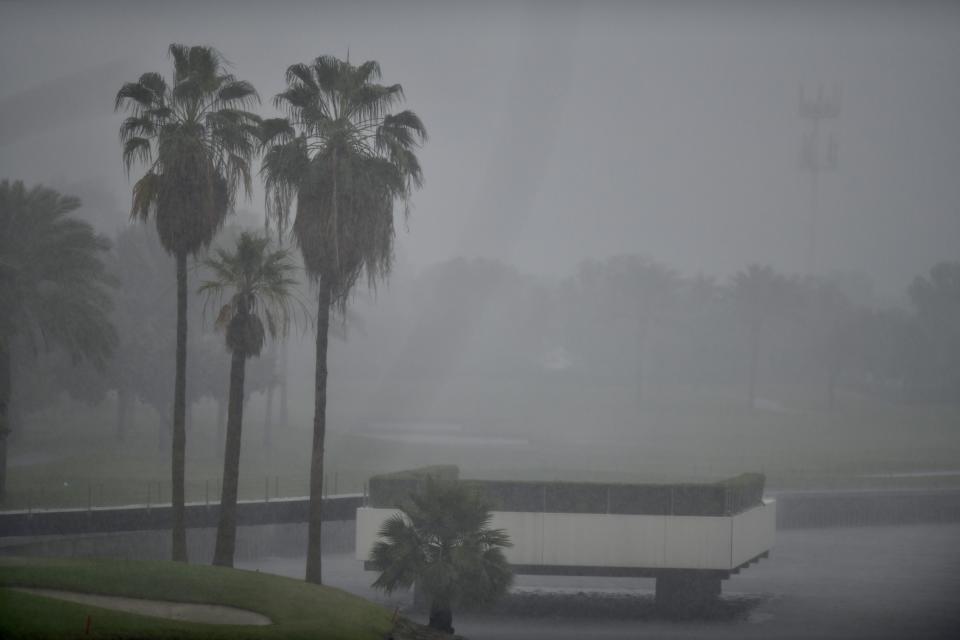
(346, 159)
(262, 283)
(443, 542)
(197, 142)
(54, 287)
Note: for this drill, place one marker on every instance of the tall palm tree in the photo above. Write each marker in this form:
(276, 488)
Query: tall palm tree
(760, 293)
(346, 160)
(443, 543)
(53, 285)
(261, 283)
(196, 140)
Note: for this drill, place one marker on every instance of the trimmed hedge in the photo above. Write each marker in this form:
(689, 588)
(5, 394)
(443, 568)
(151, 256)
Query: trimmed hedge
(723, 498)
(391, 490)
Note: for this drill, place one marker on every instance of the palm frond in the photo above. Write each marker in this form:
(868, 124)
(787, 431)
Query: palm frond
(146, 93)
(54, 285)
(238, 92)
(263, 301)
(197, 142)
(443, 542)
(136, 150)
(301, 73)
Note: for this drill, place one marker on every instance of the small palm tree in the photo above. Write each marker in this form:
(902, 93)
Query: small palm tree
(346, 160)
(53, 285)
(197, 141)
(443, 543)
(262, 297)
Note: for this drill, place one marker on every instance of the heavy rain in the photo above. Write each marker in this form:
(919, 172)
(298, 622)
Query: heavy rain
(421, 320)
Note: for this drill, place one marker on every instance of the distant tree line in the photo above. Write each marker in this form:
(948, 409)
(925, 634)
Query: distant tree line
(631, 321)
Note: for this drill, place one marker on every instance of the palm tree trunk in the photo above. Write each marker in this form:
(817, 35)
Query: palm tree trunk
(754, 357)
(284, 408)
(319, 433)
(335, 209)
(227, 526)
(179, 449)
(6, 384)
(441, 616)
(641, 355)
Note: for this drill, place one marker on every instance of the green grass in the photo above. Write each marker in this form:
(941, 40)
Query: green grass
(297, 609)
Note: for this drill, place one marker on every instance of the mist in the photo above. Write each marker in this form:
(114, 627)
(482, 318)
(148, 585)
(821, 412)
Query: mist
(655, 243)
(571, 132)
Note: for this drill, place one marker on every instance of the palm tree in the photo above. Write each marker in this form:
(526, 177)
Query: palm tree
(261, 281)
(53, 286)
(633, 296)
(936, 299)
(346, 160)
(197, 141)
(443, 543)
(759, 293)
(650, 290)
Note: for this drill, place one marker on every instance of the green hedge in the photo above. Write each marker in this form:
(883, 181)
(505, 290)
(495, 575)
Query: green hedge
(726, 497)
(391, 490)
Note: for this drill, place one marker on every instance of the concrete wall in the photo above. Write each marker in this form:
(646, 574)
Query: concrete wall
(858, 508)
(616, 540)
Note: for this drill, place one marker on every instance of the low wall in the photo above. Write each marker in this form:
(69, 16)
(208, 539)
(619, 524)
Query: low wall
(723, 498)
(143, 518)
(857, 508)
(640, 542)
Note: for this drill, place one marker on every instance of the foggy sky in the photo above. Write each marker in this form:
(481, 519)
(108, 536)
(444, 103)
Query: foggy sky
(560, 132)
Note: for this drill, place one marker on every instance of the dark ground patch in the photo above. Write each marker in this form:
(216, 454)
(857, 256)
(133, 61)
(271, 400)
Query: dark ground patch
(613, 606)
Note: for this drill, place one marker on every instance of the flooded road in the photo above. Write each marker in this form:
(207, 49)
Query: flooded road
(862, 582)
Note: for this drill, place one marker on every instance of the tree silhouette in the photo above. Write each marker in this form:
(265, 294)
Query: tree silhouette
(760, 293)
(54, 287)
(260, 283)
(346, 160)
(936, 298)
(197, 141)
(443, 544)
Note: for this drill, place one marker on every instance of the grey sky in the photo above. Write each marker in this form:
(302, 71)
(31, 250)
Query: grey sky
(560, 132)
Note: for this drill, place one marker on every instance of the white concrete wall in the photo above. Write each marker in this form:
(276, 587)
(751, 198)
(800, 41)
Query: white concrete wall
(752, 530)
(617, 540)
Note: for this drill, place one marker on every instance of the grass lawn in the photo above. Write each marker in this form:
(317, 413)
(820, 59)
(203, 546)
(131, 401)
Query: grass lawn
(297, 609)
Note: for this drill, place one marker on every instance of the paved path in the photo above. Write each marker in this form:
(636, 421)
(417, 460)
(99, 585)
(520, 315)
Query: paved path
(187, 612)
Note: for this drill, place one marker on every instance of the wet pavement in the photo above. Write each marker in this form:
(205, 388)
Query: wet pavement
(858, 582)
